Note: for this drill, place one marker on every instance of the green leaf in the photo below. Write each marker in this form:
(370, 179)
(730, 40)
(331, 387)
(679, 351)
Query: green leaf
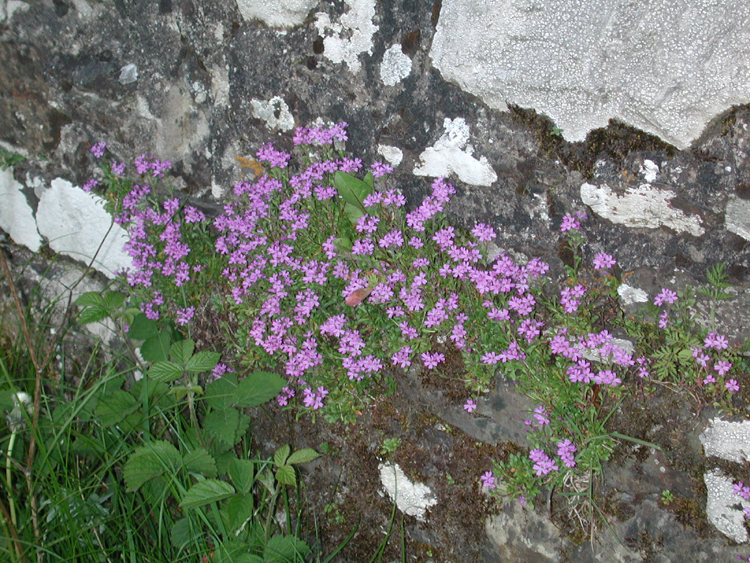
(353, 213)
(165, 371)
(258, 388)
(205, 492)
(92, 314)
(202, 361)
(181, 533)
(285, 549)
(220, 394)
(302, 456)
(142, 328)
(369, 179)
(181, 351)
(353, 190)
(285, 475)
(343, 243)
(242, 473)
(90, 299)
(281, 455)
(150, 461)
(238, 510)
(156, 348)
(242, 427)
(114, 408)
(113, 300)
(200, 461)
(222, 424)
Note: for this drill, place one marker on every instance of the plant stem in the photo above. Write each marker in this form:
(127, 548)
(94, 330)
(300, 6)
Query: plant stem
(8, 479)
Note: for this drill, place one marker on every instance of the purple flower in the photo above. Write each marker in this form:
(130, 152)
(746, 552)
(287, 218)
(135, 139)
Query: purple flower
(717, 341)
(732, 385)
(542, 463)
(284, 396)
(118, 168)
(568, 223)
(184, 315)
(709, 379)
(488, 480)
(665, 296)
(483, 232)
(470, 406)
(431, 361)
(565, 451)
(381, 169)
(722, 367)
(603, 261)
(98, 149)
(540, 413)
(90, 185)
(401, 358)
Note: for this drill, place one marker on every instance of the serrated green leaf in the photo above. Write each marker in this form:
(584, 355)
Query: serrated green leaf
(202, 361)
(113, 300)
(205, 492)
(258, 388)
(281, 455)
(200, 461)
(302, 456)
(285, 549)
(181, 350)
(92, 314)
(242, 473)
(165, 371)
(115, 407)
(222, 424)
(142, 328)
(285, 475)
(149, 461)
(238, 510)
(90, 299)
(242, 426)
(220, 394)
(181, 533)
(156, 348)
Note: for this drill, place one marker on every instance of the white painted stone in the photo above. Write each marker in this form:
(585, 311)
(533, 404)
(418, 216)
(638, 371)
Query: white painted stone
(631, 295)
(452, 154)
(393, 155)
(395, 66)
(665, 67)
(267, 110)
(727, 440)
(643, 207)
(351, 36)
(75, 223)
(724, 508)
(276, 13)
(411, 498)
(737, 217)
(7, 9)
(16, 215)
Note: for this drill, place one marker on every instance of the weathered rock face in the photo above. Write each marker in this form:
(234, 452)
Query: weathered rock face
(435, 88)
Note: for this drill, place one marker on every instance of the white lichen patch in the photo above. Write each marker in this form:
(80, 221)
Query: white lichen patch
(631, 295)
(76, 223)
(737, 217)
(410, 498)
(393, 155)
(724, 509)
(452, 154)
(649, 170)
(351, 36)
(274, 112)
(643, 207)
(395, 66)
(16, 216)
(278, 13)
(727, 440)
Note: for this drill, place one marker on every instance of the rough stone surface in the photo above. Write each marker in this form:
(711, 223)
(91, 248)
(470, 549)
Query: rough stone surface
(665, 67)
(76, 224)
(279, 13)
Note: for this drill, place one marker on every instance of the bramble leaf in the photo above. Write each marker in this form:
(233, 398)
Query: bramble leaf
(205, 492)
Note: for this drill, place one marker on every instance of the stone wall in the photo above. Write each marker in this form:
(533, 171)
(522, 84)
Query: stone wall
(629, 111)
